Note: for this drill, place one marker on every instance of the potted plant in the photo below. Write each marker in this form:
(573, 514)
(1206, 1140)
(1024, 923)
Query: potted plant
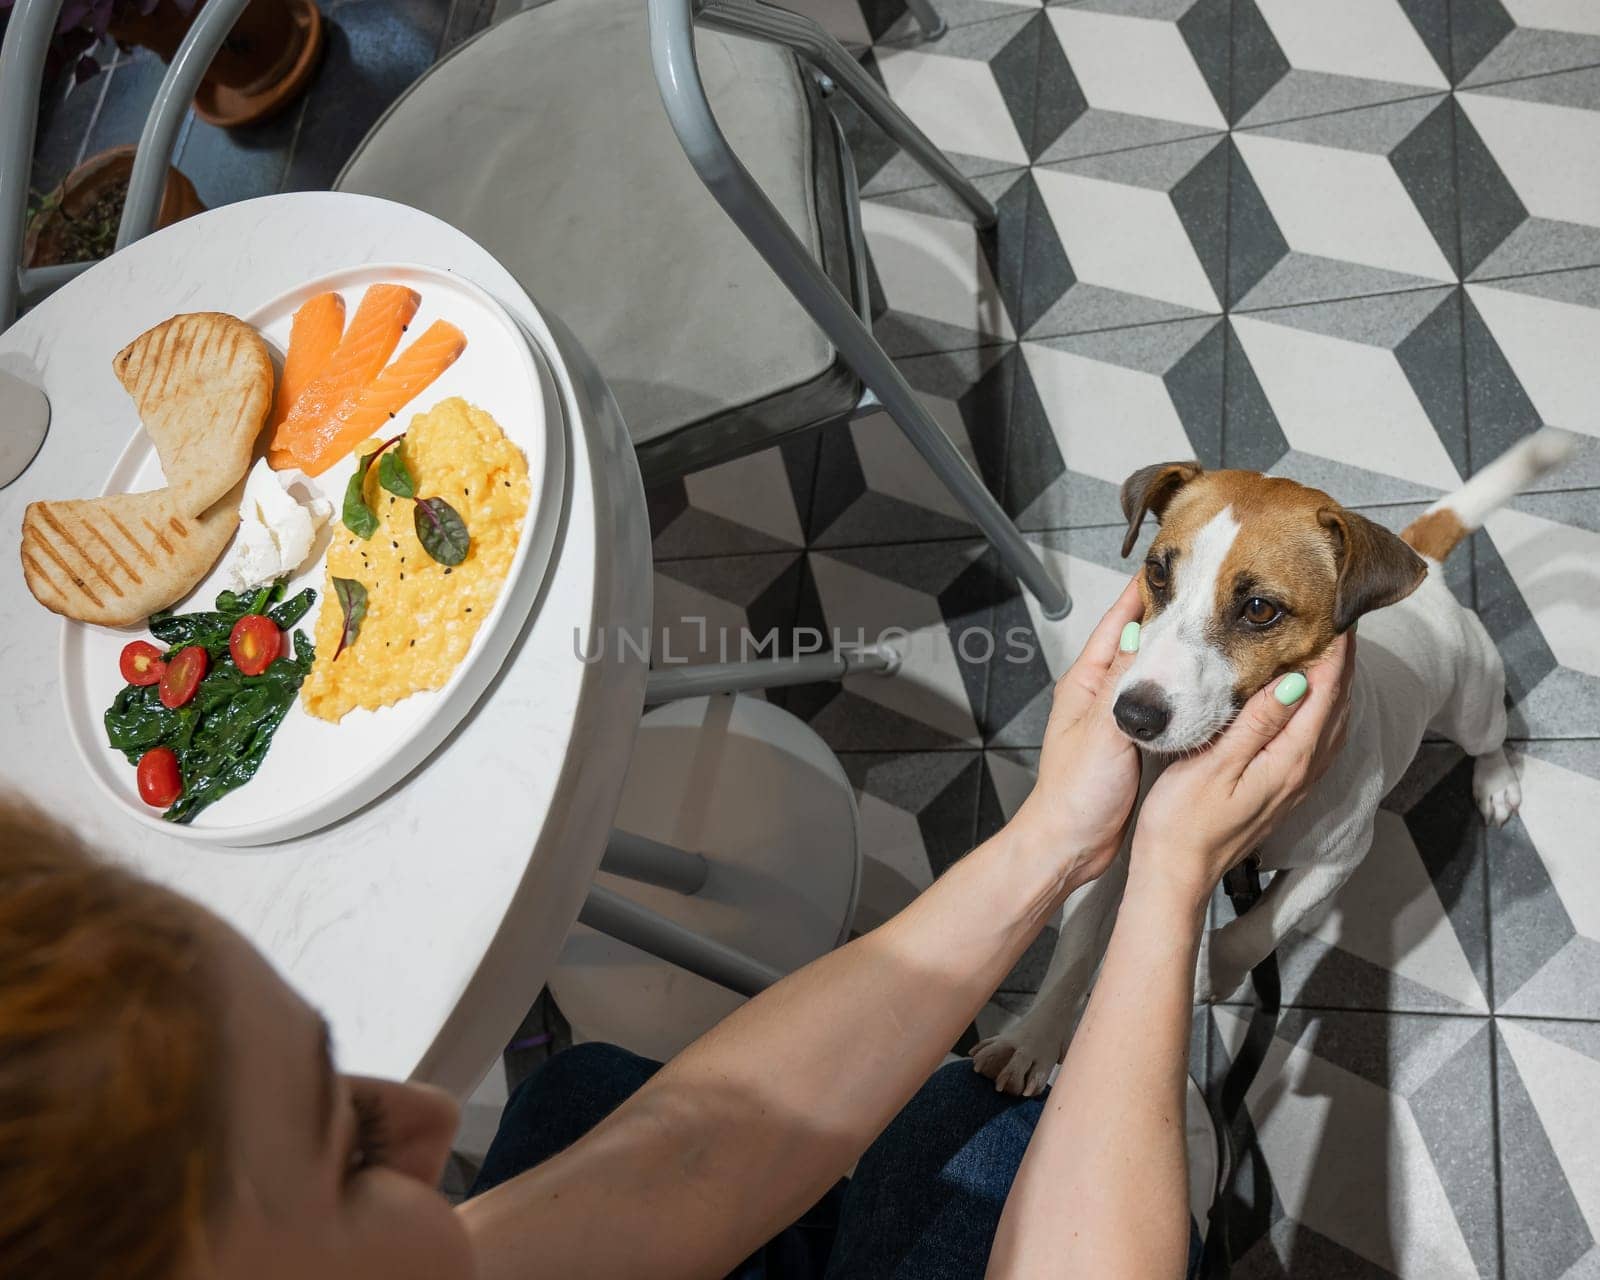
(265, 62)
(78, 221)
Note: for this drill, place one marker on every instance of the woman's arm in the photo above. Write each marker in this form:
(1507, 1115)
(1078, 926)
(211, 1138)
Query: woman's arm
(1103, 1190)
(743, 1131)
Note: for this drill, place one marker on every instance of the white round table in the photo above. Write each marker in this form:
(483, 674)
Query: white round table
(424, 925)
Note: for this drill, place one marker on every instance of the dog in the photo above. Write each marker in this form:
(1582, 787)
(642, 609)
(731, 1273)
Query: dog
(1249, 577)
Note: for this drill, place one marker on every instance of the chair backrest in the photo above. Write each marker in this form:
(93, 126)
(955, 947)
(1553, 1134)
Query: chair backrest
(22, 60)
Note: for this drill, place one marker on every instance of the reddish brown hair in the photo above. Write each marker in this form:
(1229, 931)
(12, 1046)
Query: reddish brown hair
(111, 1101)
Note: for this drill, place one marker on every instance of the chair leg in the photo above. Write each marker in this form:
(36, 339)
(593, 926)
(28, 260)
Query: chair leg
(612, 914)
(648, 861)
(928, 18)
(683, 95)
(669, 684)
(811, 42)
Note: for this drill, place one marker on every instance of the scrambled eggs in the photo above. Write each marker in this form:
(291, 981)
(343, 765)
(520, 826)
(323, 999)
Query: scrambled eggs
(421, 615)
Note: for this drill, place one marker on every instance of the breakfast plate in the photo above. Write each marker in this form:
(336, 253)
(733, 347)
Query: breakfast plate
(318, 771)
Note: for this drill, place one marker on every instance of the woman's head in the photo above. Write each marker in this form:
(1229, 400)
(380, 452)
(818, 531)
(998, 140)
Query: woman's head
(168, 1106)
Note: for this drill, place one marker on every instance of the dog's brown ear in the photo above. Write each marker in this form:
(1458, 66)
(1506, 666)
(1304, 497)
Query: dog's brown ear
(1151, 489)
(1376, 568)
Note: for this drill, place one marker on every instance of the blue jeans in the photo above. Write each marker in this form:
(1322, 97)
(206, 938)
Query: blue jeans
(923, 1204)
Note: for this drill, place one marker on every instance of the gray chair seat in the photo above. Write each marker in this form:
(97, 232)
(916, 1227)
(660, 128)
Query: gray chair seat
(545, 140)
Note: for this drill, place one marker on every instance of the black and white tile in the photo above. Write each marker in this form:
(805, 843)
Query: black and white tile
(1126, 238)
(1356, 202)
(1090, 409)
(1115, 74)
(1375, 1135)
(1362, 397)
(1527, 156)
(1293, 59)
(972, 92)
(1509, 39)
(1549, 1076)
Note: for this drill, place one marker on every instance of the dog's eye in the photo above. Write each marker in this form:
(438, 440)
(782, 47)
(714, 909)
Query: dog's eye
(1155, 573)
(1260, 613)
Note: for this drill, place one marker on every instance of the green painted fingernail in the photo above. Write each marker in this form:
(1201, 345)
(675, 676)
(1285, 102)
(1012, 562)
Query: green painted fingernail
(1290, 689)
(1130, 638)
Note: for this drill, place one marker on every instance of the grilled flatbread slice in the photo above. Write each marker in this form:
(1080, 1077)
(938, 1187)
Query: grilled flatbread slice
(118, 559)
(202, 383)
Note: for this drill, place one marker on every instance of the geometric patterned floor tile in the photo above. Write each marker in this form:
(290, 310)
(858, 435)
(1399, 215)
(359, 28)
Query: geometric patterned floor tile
(933, 601)
(1528, 151)
(1126, 238)
(937, 282)
(1549, 1078)
(1292, 59)
(1537, 570)
(1362, 397)
(971, 91)
(1092, 408)
(724, 609)
(756, 503)
(1530, 349)
(1375, 1134)
(1357, 202)
(873, 486)
(1509, 39)
(1544, 895)
(917, 814)
(1407, 931)
(1115, 74)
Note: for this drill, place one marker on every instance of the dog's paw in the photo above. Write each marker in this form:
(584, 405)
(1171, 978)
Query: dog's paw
(1019, 1062)
(1495, 788)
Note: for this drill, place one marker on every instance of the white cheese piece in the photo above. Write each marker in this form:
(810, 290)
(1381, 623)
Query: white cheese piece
(278, 522)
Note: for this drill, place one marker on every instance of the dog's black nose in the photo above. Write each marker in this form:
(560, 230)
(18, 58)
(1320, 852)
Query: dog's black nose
(1141, 712)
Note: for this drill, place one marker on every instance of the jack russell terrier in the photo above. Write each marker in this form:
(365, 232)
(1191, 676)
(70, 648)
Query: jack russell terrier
(1249, 577)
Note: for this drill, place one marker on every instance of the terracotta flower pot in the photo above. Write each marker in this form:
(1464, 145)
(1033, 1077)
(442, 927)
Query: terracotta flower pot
(96, 190)
(265, 62)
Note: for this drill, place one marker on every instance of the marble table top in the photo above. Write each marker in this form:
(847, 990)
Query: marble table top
(422, 926)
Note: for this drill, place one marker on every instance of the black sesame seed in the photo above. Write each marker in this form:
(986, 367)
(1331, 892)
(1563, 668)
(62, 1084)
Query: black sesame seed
(412, 645)
(394, 544)
(447, 573)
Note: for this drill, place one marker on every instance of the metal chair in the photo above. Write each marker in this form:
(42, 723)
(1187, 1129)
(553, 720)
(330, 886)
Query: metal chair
(545, 139)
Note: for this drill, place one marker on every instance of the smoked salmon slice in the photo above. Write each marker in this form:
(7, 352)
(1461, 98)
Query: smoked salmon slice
(313, 337)
(324, 442)
(374, 333)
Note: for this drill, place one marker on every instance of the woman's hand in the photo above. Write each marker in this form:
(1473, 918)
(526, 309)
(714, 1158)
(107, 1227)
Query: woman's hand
(1088, 769)
(1207, 812)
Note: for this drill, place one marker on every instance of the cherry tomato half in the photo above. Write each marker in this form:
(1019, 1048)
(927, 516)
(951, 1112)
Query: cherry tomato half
(254, 642)
(160, 783)
(183, 675)
(141, 663)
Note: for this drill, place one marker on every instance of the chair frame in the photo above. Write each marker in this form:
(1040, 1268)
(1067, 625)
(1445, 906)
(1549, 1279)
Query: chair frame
(688, 109)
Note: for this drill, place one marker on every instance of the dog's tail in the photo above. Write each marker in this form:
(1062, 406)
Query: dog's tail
(1437, 531)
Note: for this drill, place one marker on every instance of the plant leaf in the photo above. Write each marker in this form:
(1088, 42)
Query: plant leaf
(352, 597)
(441, 531)
(358, 517)
(394, 476)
